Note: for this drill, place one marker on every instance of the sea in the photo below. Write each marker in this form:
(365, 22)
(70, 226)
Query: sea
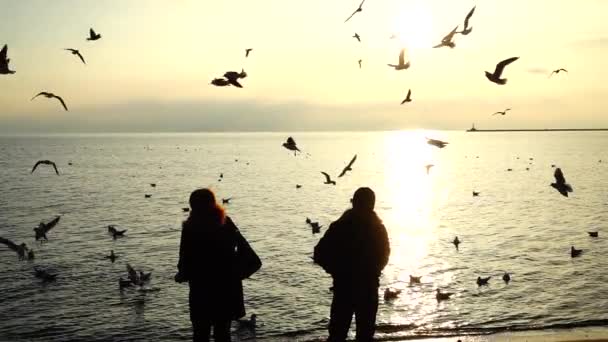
(518, 224)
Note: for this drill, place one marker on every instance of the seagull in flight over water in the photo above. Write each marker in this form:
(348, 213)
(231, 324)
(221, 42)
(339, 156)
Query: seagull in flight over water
(51, 96)
(328, 179)
(93, 35)
(4, 70)
(448, 40)
(428, 168)
(504, 112)
(360, 61)
(19, 249)
(290, 144)
(402, 65)
(500, 67)
(357, 36)
(408, 98)
(348, 167)
(247, 51)
(44, 228)
(466, 30)
(45, 162)
(437, 143)
(560, 183)
(557, 71)
(76, 53)
(359, 9)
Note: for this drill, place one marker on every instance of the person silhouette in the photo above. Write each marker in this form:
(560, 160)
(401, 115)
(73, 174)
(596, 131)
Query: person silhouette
(214, 258)
(354, 251)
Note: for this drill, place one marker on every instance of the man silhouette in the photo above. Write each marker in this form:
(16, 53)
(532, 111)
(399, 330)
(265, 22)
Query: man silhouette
(354, 251)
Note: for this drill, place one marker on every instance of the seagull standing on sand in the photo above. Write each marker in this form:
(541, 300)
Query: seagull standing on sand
(504, 112)
(575, 252)
(448, 40)
(402, 65)
(348, 167)
(19, 249)
(247, 51)
(500, 67)
(466, 30)
(560, 183)
(357, 37)
(45, 162)
(76, 53)
(51, 96)
(359, 9)
(437, 143)
(408, 97)
(93, 35)
(557, 71)
(44, 228)
(4, 70)
(328, 179)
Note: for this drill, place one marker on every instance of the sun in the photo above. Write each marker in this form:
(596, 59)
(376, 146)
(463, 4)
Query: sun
(414, 27)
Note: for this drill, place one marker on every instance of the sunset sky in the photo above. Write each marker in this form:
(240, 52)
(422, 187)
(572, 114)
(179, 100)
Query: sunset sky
(151, 69)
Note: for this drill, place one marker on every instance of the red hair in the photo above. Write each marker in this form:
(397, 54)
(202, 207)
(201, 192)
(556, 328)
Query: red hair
(203, 204)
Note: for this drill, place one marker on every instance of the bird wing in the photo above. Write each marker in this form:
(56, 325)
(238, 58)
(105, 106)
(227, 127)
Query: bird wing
(133, 276)
(466, 20)
(290, 141)
(10, 244)
(361, 4)
(501, 66)
(448, 38)
(36, 165)
(40, 93)
(92, 33)
(352, 161)
(409, 94)
(3, 53)
(79, 55)
(327, 178)
(402, 57)
(562, 69)
(559, 176)
(347, 19)
(55, 167)
(497, 113)
(51, 224)
(61, 100)
(234, 82)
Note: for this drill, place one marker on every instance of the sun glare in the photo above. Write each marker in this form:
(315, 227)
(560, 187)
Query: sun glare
(414, 27)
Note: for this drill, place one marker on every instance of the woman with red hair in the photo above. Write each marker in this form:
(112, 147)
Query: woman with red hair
(214, 258)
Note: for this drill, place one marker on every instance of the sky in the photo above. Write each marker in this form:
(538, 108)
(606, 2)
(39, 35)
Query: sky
(151, 69)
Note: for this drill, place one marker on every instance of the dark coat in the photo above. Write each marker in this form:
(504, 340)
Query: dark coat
(355, 249)
(207, 260)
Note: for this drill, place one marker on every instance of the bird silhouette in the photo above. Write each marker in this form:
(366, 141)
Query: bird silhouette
(448, 40)
(21, 249)
(328, 179)
(506, 278)
(134, 276)
(408, 97)
(290, 144)
(437, 143)
(483, 281)
(45, 162)
(298, 186)
(357, 37)
(359, 9)
(593, 234)
(557, 71)
(428, 168)
(360, 61)
(226, 200)
(77, 53)
(112, 256)
(466, 30)
(115, 232)
(560, 183)
(456, 242)
(232, 77)
(247, 51)
(504, 112)
(348, 167)
(44, 274)
(185, 209)
(390, 294)
(500, 67)
(315, 227)
(147, 195)
(415, 280)
(220, 82)
(51, 96)
(44, 228)
(93, 35)
(4, 61)
(575, 252)
(475, 193)
(402, 65)
(153, 185)
(442, 295)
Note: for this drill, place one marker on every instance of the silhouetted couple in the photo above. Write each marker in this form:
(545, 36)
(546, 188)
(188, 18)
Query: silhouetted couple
(215, 258)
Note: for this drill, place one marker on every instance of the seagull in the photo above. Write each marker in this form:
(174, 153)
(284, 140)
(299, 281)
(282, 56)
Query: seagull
(233, 76)
(414, 280)
(357, 36)
(359, 9)
(116, 233)
(506, 277)
(248, 323)
(291, 145)
(44, 228)
(145, 277)
(226, 200)
(437, 143)
(593, 234)
(575, 252)
(348, 167)
(247, 51)
(45, 162)
(4, 70)
(93, 35)
(298, 186)
(220, 82)
(112, 256)
(456, 242)
(147, 195)
(509, 170)
(185, 209)
(402, 65)
(560, 183)
(495, 77)
(483, 281)
(153, 185)
(475, 193)
(467, 29)
(390, 294)
(308, 220)
(557, 71)
(328, 179)
(408, 98)
(442, 295)
(50, 96)
(19, 249)
(428, 168)
(360, 63)
(77, 53)
(504, 112)
(44, 274)
(316, 228)
(133, 275)
(448, 40)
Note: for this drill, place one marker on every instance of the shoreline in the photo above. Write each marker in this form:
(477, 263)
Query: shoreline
(539, 130)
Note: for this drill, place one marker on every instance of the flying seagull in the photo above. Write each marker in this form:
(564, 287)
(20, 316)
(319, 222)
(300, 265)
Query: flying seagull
(360, 63)
(50, 96)
(428, 168)
(247, 51)
(290, 144)
(557, 71)
(76, 53)
(467, 29)
(45, 162)
(328, 179)
(357, 37)
(44, 228)
(483, 281)
(348, 167)
(115, 232)
(437, 143)
(560, 183)
(495, 77)
(4, 70)
(504, 112)
(93, 35)
(408, 98)
(233, 76)
(19, 249)
(402, 65)
(112, 256)
(359, 9)
(220, 82)
(226, 200)
(448, 40)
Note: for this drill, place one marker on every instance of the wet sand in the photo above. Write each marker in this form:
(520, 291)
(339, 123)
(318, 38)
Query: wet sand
(591, 334)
